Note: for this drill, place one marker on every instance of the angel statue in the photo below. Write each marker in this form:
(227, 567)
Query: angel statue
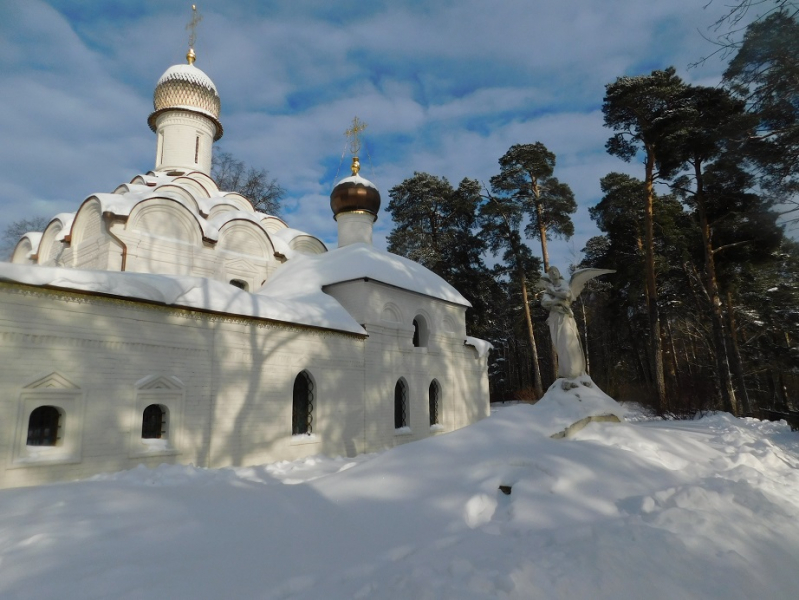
(557, 298)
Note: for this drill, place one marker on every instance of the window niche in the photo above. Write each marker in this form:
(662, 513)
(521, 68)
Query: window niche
(421, 332)
(44, 426)
(49, 425)
(401, 416)
(154, 422)
(303, 405)
(156, 416)
(434, 403)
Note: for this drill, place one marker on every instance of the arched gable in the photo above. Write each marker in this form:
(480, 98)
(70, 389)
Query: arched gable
(273, 224)
(204, 180)
(220, 208)
(239, 201)
(50, 246)
(165, 218)
(25, 249)
(88, 222)
(307, 244)
(197, 187)
(180, 193)
(245, 237)
(391, 313)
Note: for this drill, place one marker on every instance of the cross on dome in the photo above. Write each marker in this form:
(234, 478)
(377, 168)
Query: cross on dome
(353, 134)
(191, 27)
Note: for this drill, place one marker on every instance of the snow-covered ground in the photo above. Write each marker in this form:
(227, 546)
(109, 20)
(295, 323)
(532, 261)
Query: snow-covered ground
(644, 509)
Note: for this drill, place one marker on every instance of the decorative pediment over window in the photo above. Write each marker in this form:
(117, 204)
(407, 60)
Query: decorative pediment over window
(52, 381)
(240, 265)
(448, 325)
(160, 382)
(391, 313)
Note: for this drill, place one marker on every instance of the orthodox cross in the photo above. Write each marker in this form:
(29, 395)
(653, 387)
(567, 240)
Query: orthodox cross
(354, 135)
(191, 27)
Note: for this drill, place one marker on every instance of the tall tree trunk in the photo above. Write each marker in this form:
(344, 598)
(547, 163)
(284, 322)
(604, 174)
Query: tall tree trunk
(735, 355)
(542, 230)
(542, 234)
(651, 284)
(585, 338)
(642, 366)
(539, 390)
(785, 400)
(675, 364)
(712, 286)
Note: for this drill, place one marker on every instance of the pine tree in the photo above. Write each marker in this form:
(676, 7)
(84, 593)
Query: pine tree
(526, 175)
(765, 74)
(500, 218)
(620, 215)
(435, 225)
(644, 111)
(711, 123)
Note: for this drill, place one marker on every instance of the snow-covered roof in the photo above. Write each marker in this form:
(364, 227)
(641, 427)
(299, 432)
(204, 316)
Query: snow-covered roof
(181, 189)
(310, 307)
(190, 73)
(66, 219)
(358, 261)
(287, 234)
(357, 179)
(34, 239)
(217, 221)
(482, 346)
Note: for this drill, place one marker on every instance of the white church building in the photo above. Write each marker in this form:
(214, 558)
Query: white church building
(168, 321)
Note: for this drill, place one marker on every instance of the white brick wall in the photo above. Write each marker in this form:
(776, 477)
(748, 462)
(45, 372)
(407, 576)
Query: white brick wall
(237, 378)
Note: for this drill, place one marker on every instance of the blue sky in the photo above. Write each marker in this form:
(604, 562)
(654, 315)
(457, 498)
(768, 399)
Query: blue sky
(446, 87)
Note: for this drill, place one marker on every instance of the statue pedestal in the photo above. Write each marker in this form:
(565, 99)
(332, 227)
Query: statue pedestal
(572, 403)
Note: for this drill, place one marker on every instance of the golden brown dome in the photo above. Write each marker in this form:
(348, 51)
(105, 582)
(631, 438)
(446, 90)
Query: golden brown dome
(355, 194)
(185, 87)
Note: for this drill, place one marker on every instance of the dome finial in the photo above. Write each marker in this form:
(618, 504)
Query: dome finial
(354, 136)
(192, 28)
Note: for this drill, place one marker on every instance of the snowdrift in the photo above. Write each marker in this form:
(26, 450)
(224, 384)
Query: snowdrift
(662, 510)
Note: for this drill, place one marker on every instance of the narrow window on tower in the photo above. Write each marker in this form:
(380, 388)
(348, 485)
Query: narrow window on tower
(196, 150)
(160, 147)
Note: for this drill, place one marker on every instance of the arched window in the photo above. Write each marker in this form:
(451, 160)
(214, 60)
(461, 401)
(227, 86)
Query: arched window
(302, 406)
(43, 426)
(153, 423)
(400, 404)
(420, 332)
(434, 397)
(239, 284)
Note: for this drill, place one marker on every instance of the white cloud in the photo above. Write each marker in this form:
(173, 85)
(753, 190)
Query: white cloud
(446, 87)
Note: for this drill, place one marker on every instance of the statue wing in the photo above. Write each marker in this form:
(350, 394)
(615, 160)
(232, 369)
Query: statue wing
(582, 276)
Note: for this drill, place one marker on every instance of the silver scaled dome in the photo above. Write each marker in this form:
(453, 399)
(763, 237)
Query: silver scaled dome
(185, 87)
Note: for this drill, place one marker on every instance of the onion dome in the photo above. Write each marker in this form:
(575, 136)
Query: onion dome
(185, 87)
(354, 194)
